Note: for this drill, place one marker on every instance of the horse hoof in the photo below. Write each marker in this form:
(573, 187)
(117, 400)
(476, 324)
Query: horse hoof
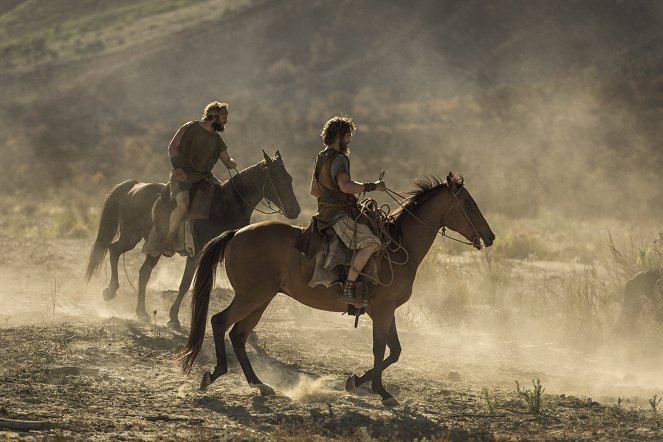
(205, 381)
(390, 402)
(265, 389)
(109, 294)
(350, 385)
(175, 325)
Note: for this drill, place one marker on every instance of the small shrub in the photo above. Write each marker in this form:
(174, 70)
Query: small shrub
(488, 400)
(532, 398)
(654, 404)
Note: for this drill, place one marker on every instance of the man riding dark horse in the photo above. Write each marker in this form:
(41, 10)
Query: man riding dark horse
(193, 152)
(338, 208)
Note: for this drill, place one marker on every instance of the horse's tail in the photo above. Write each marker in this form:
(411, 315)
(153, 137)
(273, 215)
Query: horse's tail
(211, 255)
(108, 226)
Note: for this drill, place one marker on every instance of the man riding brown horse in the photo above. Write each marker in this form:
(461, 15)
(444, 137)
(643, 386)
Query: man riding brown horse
(193, 152)
(338, 209)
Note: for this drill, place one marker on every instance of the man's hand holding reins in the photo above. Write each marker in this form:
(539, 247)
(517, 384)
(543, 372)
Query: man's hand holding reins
(377, 185)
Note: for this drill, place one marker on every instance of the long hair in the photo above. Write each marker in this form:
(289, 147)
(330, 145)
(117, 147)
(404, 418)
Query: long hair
(337, 127)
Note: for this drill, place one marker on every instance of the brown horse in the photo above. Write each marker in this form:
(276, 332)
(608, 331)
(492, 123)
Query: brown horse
(261, 260)
(128, 210)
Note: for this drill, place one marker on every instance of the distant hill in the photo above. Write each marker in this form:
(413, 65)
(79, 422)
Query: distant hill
(514, 94)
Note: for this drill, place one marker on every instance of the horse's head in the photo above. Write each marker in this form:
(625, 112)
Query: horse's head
(278, 188)
(464, 215)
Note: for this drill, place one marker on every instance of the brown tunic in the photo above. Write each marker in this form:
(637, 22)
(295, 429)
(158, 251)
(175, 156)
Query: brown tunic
(200, 150)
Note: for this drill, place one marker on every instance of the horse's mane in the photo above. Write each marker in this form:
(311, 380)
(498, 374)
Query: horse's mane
(259, 164)
(425, 187)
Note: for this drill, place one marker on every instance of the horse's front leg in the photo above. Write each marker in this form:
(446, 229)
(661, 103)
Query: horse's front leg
(383, 317)
(394, 345)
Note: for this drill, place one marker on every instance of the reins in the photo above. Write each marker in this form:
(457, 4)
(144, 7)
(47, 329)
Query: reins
(443, 230)
(379, 216)
(268, 205)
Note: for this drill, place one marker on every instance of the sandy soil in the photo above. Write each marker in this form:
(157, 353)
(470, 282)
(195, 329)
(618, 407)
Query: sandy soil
(89, 371)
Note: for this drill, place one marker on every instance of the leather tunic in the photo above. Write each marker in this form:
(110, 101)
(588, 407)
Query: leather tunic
(332, 202)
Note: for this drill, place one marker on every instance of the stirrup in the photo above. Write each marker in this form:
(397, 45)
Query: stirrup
(348, 295)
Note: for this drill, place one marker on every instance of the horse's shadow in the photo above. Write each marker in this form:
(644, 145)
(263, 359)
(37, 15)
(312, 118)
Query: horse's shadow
(289, 376)
(152, 337)
(337, 414)
(331, 418)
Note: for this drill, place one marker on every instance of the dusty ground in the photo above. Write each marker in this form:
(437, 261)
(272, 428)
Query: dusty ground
(92, 372)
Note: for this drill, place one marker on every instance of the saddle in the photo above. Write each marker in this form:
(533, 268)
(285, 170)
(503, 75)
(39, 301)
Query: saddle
(202, 195)
(325, 259)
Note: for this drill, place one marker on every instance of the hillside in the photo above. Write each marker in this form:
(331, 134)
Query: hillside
(496, 90)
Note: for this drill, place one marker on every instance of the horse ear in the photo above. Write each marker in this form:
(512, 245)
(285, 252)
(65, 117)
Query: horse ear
(455, 182)
(278, 155)
(267, 158)
(451, 180)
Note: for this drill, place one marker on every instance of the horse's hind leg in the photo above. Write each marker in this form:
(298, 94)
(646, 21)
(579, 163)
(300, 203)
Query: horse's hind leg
(238, 309)
(185, 284)
(238, 337)
(394, 345)
(116, 249)
(143, 278)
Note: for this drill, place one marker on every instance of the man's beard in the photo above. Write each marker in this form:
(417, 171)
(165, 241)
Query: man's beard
(217, 126)
(343, 147)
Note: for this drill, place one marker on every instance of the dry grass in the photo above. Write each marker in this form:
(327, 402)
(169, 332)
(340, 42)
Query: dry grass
(564, 300)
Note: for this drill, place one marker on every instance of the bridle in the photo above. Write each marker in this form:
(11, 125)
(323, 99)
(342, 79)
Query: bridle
(443, 230)
(268, 176)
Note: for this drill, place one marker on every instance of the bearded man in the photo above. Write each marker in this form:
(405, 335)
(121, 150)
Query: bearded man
(338, 207)
(193, 152)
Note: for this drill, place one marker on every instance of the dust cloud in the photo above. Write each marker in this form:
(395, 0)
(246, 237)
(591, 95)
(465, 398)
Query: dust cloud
(550, 110)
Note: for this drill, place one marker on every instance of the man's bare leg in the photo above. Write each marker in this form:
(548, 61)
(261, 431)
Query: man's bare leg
(176, 217)
(357, 264)
(359, 260)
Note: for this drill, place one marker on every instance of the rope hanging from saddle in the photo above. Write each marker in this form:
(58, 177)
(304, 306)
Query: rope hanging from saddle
(378, 219)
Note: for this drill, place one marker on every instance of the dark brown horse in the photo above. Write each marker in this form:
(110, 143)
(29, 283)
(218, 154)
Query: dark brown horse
(261, 260)
(128, 208)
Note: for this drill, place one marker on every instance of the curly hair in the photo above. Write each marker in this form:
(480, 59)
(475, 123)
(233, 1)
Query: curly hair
(214, 108)
(337, 126)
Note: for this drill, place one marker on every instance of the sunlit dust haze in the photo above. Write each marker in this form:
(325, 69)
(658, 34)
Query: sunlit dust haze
(550, 110)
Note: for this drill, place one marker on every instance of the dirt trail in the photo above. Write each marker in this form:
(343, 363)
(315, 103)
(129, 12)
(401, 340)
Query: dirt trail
(94, 373)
